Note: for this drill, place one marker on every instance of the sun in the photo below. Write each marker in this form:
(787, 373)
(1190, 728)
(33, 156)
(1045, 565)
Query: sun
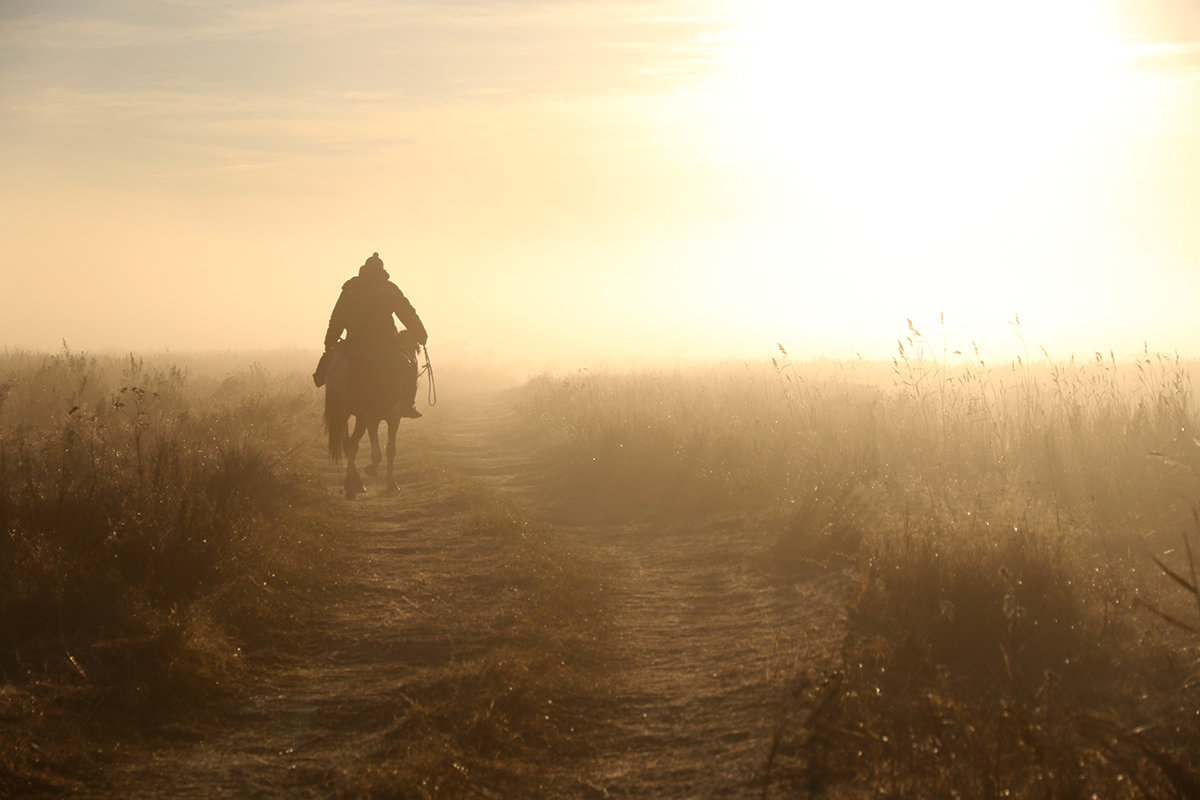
(917, 155)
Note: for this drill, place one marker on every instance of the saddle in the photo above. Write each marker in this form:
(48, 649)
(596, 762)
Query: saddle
(390, 363)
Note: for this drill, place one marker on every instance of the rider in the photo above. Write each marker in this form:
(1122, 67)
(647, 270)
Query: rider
(364, 311)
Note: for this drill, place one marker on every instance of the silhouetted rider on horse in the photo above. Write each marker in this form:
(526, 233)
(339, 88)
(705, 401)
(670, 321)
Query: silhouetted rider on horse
(380, 357)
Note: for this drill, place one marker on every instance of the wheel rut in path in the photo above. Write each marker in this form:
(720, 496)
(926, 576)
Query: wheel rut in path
(710, 638)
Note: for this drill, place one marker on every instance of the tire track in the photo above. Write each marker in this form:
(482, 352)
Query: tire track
(710, 638)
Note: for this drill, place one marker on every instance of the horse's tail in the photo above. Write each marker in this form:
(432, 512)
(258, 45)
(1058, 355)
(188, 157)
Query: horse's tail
(337, 403)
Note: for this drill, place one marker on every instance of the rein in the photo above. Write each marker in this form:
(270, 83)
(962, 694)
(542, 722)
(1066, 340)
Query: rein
(431, 392)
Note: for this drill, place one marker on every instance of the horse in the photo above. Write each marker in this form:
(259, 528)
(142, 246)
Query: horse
(371, 396)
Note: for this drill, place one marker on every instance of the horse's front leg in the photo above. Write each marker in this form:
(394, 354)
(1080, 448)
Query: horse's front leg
(392, 424)
(354, 485)
(372, 469)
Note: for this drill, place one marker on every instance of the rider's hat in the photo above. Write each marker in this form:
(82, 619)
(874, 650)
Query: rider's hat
(373, 268)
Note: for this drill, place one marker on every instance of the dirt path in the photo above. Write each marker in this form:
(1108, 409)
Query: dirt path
(707, 640)
(710, 641)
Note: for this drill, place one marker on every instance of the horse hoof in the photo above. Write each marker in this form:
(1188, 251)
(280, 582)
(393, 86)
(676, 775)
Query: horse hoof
(393, 489)
(371, 470)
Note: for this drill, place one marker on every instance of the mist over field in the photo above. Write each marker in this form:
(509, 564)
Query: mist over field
(717, 576)
(561, 186)
(803, 400)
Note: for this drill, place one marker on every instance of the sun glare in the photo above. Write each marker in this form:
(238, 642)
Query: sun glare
(896, 138)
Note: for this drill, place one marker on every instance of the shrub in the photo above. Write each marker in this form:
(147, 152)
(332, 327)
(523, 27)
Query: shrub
(996, 524)
(148, 527)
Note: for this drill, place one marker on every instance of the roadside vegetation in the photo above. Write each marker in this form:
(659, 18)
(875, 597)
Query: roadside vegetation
(170, 531)
(154, 526)
(1018, 541)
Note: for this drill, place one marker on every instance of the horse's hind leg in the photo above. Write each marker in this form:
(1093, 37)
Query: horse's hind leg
(354, 485)
(392, 424)
(372, 469)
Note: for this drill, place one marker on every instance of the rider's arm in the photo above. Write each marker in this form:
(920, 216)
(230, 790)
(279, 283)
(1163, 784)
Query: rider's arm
(408, 316)
(337, 322)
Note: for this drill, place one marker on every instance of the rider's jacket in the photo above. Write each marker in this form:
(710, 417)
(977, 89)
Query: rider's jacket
(364, 311)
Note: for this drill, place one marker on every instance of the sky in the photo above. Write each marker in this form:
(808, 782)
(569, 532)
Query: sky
(568, 183)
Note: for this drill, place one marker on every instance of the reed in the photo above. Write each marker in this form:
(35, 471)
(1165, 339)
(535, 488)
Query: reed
(1020, 609)
(153, 527)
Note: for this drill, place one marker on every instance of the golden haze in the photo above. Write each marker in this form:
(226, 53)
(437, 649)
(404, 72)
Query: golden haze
(562, 183)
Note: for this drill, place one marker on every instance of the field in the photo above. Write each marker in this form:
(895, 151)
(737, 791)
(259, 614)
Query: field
(933, 577)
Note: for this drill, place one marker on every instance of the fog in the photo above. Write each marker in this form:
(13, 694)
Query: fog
(565, 186)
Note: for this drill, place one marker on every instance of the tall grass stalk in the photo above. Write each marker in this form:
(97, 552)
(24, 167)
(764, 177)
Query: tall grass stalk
(998, 524)
(150, 528)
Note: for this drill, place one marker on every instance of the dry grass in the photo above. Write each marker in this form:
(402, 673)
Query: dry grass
(1010, 632)
(161, 546)
(151, 530)
(1018, 542)
(491, 720)
(1001, 666)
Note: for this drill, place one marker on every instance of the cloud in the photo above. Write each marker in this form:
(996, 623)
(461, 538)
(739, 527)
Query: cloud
(184, 88)
(1160, 20)
(1175, 58)
(438, 49)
